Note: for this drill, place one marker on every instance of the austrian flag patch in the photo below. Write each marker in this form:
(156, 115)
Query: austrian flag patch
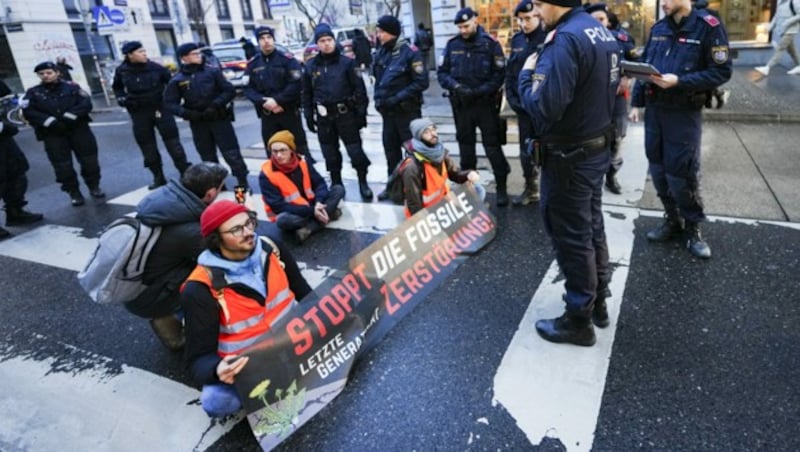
(719, 54)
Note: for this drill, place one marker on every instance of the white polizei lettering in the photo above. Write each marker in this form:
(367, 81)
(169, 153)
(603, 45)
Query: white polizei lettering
(600, 33)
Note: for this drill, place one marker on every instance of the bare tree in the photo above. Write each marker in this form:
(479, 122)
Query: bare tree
(196, 12)
(393, 6)
(314, 10)
(333, 14)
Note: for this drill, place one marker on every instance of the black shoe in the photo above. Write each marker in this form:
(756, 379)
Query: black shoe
(18, 217)
(383, 196)
(76, 198)
(600, 314)
(695, 243)
(366, 192)
(158, 181)
(4, 234)
(502, 199)
(670, 229)
(612, 184)
(567, 329)
(96, 192)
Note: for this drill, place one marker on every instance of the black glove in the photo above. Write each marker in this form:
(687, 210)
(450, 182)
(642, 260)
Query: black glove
(192, 115)
(9, 130)
(122, 102)
(311, 123)
(58, 127)
(465, 92)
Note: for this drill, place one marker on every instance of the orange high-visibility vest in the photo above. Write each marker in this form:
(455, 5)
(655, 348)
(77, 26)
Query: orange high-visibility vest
(436, 186)
(242, 321)
(287, 188)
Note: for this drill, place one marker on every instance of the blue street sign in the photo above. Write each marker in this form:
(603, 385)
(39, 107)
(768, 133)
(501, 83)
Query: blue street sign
(117, 16)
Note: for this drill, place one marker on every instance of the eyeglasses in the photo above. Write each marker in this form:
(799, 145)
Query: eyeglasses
(281, 150)
(238, 231)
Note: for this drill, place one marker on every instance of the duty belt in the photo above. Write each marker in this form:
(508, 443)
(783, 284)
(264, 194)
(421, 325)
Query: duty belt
(337, 108)
(590, 146)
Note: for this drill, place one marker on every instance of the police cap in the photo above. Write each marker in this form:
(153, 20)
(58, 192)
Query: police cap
(264, 30)
(131, 46)
(464, 14)
(185, 49)
(592, 7)
(564, 3)
(45, 65)
(525, 6)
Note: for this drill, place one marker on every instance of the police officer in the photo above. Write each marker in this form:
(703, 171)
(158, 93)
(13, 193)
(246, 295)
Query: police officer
(400, 79)
(59, 113)
(524, 42)
(690, 49)
(473, 71)
(626, 48)
(13, 183)
(568, 90)
(139, 87)
(200, 94)
(335, 106)
(274, 90)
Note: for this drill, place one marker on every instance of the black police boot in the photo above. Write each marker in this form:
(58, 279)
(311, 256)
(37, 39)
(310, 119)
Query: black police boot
(502, 193)
(695, 243)
(96, 192)
(612, 184)
(336, 178)
(383, 195)
(569, 328)
(158, 178)
(671, 228)
(363, 186)
(4, 234)
(76, 197)
(16, 216)
(530, 194)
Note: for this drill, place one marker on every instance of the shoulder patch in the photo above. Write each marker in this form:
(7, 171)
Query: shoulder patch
(711, 20)
(720, 54)
(418, 67)
(622, 36)
(500, 62)
(295, 74)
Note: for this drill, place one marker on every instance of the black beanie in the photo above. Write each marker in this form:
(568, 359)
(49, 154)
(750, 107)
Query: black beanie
(321, 31)
(131, 46)
(564, 3)
(390, 25)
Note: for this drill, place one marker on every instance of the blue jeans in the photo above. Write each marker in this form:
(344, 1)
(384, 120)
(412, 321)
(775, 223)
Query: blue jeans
(220, 400)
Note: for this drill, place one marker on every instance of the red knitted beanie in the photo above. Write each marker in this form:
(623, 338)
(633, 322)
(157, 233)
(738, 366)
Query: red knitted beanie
(218, 213)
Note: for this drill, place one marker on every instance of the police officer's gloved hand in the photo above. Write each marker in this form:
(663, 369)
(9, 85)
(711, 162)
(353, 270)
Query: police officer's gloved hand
(210, 114)
(465, 92)
(192, 115)
(311, 123)
(122, 102)
(8, 129)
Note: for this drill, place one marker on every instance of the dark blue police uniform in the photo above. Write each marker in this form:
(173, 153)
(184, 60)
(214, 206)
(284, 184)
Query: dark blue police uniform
(202, 95)
(59, 113)
(139, 88)
(400, 79)
(696, 50)
(277, 75)
(473, 71)
(570, 98)
(522, 46)
(335, 105)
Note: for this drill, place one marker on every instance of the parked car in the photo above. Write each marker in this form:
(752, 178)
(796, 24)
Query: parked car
(233, 61)
(344, 36)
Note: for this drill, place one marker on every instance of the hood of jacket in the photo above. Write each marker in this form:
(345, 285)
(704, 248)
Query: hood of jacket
(170, 204)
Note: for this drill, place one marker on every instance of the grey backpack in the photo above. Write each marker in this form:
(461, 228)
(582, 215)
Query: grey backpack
(114, 272)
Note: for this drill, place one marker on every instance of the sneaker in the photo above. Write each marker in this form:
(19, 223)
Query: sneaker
(764, 70)
(794, 71)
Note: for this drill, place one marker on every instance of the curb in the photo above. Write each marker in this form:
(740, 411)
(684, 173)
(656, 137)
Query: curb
(745, 116)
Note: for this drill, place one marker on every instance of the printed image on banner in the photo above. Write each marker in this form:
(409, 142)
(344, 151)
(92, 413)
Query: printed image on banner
(305, 361)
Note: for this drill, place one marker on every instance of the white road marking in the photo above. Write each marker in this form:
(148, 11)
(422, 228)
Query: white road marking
(108, 123)
(51, 244)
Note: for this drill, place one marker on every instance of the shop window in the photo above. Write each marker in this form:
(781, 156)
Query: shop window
(497, 19)
(226, 32)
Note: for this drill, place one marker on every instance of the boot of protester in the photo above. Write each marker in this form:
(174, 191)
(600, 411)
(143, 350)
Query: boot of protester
(530, 194)
(169, 331)
(695, 242)
(612, 184)
(17, 216)
(502, 191)
(671, 228)
(363, 186)
(158, 178)
(567, 329)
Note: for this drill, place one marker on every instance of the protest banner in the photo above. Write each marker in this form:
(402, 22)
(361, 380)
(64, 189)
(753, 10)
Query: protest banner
(305, 361)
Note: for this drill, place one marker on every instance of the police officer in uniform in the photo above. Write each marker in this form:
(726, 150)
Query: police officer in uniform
(59, 113)
(13, 182)
(274, 90)
(200, 94)
(335, 106)
(523, 44)
(568, 90)
(473, 71)
(689, 47)
(626, 48)
(400, 79)
(139, 87)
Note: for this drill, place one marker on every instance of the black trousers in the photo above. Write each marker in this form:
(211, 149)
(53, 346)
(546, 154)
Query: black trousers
(330, 130)
(288, 120)
(525, 127)
(395, 133)
(486, 118)
(145, 123)
(13, 166)
(209, 136)
(82, 143)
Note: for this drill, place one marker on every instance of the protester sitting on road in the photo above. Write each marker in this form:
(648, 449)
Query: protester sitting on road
(427, 167)
(241, 286)
(176, 208)
(295, 195)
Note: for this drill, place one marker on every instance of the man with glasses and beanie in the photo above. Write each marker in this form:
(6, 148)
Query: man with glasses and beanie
(201, 95)
(241, 286)
(295, 196)
(568, 90)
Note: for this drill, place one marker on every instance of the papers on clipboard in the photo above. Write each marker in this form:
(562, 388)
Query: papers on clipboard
(642, 71)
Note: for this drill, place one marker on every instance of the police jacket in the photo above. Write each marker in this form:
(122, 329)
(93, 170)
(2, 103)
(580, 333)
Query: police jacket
(399, 75)
(214, 331)
(332, 79)
(295, 193)
(626, 43)
(477, 62)
(277, 75)
(522, 46)
(570, 94)
(696, 50)
(57, 108)
(200, 87)
(140, 86)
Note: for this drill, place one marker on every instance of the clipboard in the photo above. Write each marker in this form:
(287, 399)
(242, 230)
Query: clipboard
(641, 71)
